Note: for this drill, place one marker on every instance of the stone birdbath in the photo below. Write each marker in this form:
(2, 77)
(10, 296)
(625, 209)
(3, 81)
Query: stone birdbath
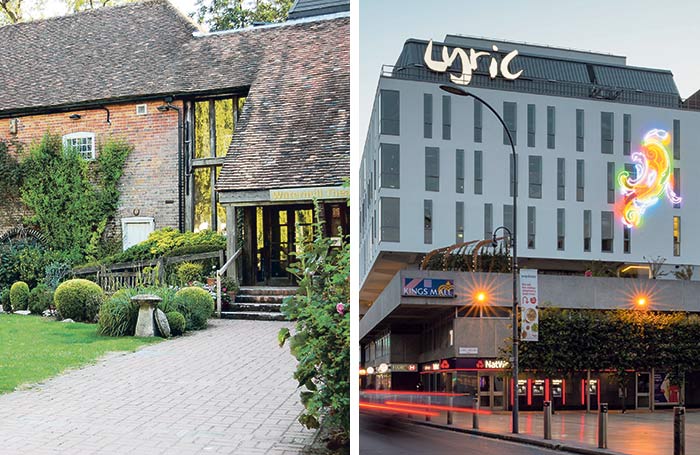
(147, 304)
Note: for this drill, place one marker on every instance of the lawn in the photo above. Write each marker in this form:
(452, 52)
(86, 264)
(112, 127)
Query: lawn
(33, 348)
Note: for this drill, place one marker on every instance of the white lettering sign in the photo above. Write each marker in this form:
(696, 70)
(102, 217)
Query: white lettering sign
(468, 350)
(469, 63)
(495, 364)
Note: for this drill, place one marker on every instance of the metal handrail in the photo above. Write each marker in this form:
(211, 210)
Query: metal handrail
(220, 272)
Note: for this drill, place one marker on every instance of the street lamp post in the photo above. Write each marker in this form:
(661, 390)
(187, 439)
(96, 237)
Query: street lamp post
(514, 258)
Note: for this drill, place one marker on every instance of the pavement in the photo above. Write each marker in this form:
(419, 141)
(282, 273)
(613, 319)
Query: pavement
(227, 389)
(633, 433)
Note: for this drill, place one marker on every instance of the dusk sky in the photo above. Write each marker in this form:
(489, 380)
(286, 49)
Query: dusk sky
(649, 33)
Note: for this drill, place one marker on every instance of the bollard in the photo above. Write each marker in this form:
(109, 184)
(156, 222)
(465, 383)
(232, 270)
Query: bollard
(449, 413)
(603, 426)
(475, 414)
(679, 430)
(548, 420)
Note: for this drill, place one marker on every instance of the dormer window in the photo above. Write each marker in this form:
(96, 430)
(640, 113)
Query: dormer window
(83, 143)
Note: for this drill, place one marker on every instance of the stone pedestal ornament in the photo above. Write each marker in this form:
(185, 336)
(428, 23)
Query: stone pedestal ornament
(162, 323)
(147, 303)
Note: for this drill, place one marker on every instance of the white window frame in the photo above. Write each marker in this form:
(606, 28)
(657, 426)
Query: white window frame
(68, 138)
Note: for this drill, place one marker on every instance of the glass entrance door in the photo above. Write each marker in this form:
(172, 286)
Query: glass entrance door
(286, 229)
(491, 391)
(642, 386)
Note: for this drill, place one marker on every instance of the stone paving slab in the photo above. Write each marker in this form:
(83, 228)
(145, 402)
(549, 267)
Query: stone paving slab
(227, 389)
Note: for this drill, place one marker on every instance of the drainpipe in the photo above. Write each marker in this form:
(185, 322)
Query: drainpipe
(180, 157)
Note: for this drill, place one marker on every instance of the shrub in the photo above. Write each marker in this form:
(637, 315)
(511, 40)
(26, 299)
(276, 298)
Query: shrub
(5, 301)
(187, 272)
(19, 295)
(118, 315)
(229, 284)
(177, 322)
(40, 299)
(78, 299)
(55, 273)
(196, 305)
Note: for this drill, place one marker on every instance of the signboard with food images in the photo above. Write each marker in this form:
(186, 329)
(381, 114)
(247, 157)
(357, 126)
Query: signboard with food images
(528, 305)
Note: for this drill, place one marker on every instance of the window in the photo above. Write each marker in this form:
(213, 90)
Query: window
(513, 169)
(607, 132)
(390, 108)
(459, 224)
(83, 143)
(676, 139)
(427, 115)
(606, 232)
(587, 222)
(488, 221)
(561, 179)
(478, 184)
(551, 126)
(611, 182)
(676, 235)
(579, 180)
(427, 221)
(626, 134)
(478, 111)
(530, 227)
(531, 122)
(535, 175)
(677, 184)
(510, 116)
(631, 169)
(390, 219)
(446, 117)
(508, 217)
(459, 171)
(626, 239)
(561, 227)
(432, 169)
(579, 130)
(390, 177)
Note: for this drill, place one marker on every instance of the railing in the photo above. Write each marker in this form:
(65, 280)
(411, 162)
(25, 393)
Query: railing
(221, 271)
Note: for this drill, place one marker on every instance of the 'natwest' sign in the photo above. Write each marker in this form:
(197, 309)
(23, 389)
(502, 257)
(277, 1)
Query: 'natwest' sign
(469, 61)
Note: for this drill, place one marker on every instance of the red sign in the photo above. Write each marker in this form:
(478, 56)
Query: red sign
(445, 364)
(412, 367)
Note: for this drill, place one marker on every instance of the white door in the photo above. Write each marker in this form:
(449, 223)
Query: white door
(136, 230)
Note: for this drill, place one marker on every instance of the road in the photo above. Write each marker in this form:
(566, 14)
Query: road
(379, 436)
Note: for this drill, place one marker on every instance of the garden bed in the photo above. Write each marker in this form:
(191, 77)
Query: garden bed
(33, 349)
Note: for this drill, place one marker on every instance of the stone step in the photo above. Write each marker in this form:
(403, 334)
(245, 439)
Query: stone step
(253, 315)
(247, 298)
(256, 307)
(268, 290)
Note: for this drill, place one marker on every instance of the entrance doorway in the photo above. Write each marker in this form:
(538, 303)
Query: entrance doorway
(491, 391)
(282, 231)
(642, 390)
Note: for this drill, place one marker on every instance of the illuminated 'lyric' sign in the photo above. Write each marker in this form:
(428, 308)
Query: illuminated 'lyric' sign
(469, 63)
(654, 166)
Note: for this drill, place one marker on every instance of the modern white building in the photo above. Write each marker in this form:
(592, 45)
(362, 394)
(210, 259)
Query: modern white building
(436, 168)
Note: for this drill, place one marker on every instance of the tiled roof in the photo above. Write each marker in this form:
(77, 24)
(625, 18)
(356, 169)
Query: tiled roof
(307, 8)
(295, 126)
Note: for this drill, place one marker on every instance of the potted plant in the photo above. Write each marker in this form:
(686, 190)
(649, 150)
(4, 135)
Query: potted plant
(211, 279)
(230, 287)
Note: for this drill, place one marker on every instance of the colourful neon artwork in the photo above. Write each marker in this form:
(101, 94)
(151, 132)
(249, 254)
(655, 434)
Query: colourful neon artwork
(654, 177)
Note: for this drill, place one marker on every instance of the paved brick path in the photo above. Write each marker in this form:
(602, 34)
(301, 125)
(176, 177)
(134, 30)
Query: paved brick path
(227, 389)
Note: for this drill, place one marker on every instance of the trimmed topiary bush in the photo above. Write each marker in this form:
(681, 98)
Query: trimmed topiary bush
(40, 299)
(187, 272)
(177, 322)
(118, 315)
(19, 296)
(5, 301)
(78, 300)
(196, 305)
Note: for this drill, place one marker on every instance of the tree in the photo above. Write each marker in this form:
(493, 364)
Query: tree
(14, 11)
(232, 14)
(11, 11)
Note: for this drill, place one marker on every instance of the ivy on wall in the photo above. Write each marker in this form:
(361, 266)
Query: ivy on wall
(70, 199)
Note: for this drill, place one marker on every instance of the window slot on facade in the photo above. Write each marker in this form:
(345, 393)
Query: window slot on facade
(579, 129)
(390, 219)
(531, 222)
(676, 139)
(626, 134)
(459, 224)
(611, 182)
(513, 171)
(626, 239)
(531, 124)
(427, 115)
(478, 120)
(390, 112)
(510, 116)
(459, 171)
(587, 224)
(535, 177)
(561, 229)
(607, 132)
(432, 169)
(631, 169)
(551, 126)
(508, 217)
(606, 232)
(390, 162)
(446, 117)
(488, 220)
(676, 235)
(677, 184)
(561, 179)
(478, 183)
(427, 221)
(580, 176)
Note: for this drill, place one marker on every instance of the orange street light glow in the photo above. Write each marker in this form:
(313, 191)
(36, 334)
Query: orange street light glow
(641, 301)
(481, 296)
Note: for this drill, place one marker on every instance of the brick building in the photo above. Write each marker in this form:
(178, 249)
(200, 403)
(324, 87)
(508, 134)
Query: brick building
(266, 107)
